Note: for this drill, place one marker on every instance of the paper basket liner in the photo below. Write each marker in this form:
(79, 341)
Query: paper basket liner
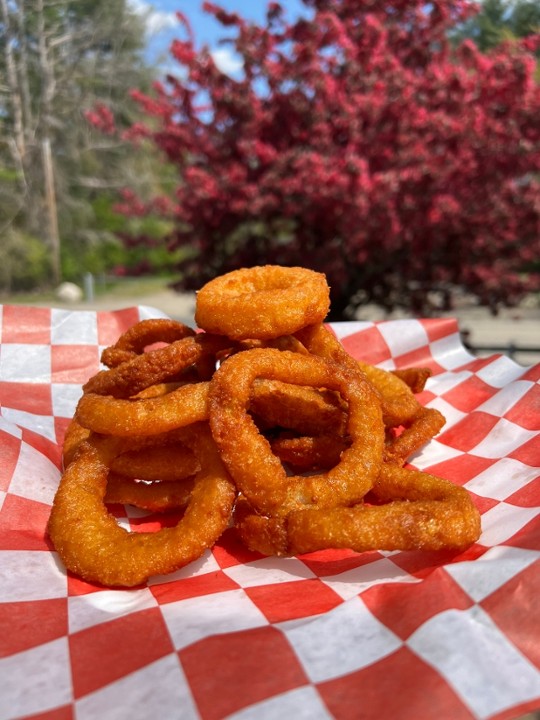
(332, 634)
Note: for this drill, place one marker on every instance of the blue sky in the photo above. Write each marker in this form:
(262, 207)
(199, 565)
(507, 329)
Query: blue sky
(163, 26)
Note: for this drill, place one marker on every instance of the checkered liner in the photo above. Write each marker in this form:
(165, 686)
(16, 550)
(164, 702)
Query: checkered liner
(326, 635)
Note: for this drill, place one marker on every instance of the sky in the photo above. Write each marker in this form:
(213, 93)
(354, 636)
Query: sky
(163, 26)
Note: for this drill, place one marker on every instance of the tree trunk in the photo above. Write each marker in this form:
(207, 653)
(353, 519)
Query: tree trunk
(47, 95)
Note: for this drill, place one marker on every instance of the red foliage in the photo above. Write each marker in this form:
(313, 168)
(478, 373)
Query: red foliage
(356, 142)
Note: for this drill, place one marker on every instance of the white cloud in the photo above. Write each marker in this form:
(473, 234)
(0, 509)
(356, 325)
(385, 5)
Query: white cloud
(156, 21)
(227, 61)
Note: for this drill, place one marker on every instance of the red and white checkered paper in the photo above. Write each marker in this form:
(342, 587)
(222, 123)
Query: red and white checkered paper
(327, 635)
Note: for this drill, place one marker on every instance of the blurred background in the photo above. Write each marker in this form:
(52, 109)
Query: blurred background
(146, 147)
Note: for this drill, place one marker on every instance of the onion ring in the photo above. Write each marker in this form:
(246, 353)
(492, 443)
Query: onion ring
(75, 434)
(422, 427)
(415, 378)
(141, 335)
(307, 410)
(91, 543)
(151, 416)
(397, 400)
(157, 366)
(262, 302)
(305, 454)
(156, 496)
(420, 512)
(258, 473)
(167, 464)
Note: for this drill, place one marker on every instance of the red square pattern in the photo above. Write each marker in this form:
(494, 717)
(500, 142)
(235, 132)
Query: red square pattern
(466, 434)
(529, 452)
(367, 345)
(390, 689)
(526, 412)
(196, 586)
(23, 524)
(528, 537)
(229, 672)
(73, 363)
(532, 373)
(60, 426)
(478, 364)
(508, 605)
(421, 357)
(403, 607)
(104, 653)
(528, 495)
(46, 447)
(292, 600)
(230, 551)
(112, 324)
(439, 328)
(28, 325)
(76, 586)
(35, 398)
(327, 563)
(62, 713)
(24, 625)
(10, 447)
(461, 468)
(422, 563)
(469, 395)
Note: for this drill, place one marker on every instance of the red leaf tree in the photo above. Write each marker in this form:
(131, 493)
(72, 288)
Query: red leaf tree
(358, 142)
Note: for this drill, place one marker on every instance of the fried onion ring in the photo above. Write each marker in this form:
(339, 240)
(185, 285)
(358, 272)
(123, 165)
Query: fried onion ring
(419, 511)
(266, 405)
(305, 454)
(156, 496)
(93, 545)
(262, 302)
(258, 473)
(418, 430)
(165, 363)
(307, 410)
(127, 417)
(415, 378)
(140, 336)
(168, 463)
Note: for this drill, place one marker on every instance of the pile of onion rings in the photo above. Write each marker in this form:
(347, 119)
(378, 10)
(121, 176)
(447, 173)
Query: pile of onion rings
(257, 419)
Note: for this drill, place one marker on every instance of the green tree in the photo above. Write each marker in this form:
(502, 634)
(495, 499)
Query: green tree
(58, 58)
(500, 20)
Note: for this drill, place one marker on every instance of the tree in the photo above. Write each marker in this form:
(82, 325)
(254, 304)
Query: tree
(359, 143)
(60, 57)
(498, 21)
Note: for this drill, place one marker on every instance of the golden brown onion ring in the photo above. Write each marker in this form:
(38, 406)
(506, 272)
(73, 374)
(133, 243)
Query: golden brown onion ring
(398, 403)
(156, 366)
(305, 453)
(307, 410)
(422, 427)
(155, 496)
(140, 336)
(419, 512)
(262, 302)
(415, 378)
(168, 463)
(258, 473)
(92, 544)
(149, 416)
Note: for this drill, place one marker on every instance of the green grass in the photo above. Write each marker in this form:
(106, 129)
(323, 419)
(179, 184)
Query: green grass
(110, 287)
(123, 287)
